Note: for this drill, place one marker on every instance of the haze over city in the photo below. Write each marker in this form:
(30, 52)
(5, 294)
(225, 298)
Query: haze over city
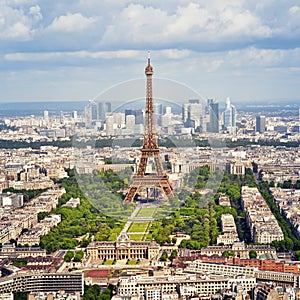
(73, 50)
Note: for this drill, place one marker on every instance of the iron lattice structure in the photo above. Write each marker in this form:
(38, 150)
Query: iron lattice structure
(141, 180)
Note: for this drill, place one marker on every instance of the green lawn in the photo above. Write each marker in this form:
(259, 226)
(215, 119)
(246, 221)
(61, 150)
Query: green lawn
(138, 227)
(146, 212)
(114, 234)
(136, 237)
(108, 262)
(148, 237)
(132, 262)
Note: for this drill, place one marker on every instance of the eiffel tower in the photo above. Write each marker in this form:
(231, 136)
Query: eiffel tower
(141, 180)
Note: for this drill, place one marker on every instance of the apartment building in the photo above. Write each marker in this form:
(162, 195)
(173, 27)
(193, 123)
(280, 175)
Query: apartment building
(263, 226)
(229, 233)
(186, 285)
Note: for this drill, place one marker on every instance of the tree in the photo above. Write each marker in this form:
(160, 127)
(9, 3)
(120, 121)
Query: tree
(78, 256)
(164, 256)
(252, 254)
(228, 253)
(69, 256)
(173, 255)
(297, 254)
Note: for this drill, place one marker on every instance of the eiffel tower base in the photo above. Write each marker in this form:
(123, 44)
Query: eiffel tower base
(149, 181)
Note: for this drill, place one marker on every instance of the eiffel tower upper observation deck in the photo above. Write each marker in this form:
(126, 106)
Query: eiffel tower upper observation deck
(141, 180)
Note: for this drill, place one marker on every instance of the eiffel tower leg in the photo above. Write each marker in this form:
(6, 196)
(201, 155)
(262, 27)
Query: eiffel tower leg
(168, 191)
(131, 194)
(158, 165)
(142, 165)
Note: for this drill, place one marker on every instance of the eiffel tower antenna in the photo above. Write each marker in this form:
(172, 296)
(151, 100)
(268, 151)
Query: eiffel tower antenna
(150, 149)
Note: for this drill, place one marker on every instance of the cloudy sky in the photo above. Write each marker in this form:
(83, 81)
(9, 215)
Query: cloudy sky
(74, 49)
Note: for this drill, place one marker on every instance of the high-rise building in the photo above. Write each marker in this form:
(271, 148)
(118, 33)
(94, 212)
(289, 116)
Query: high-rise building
(75, 115)
(260, 124)
(91, 113)
(230, 117)
(213, 110)
(103, 109)
(138, 113)
(107, 107)
(158, 108)
(109, 122)
(61, 117)
(192, 114)
(130, 124)
(46, 116)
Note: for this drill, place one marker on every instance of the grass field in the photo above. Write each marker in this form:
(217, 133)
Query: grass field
(147, 237)
(108, 262)
(146, 212)
(138, 227)
(132, 262)
(136, 237)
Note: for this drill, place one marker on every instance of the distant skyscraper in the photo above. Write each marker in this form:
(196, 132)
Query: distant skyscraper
(192, 114)
(194, 101)
(130, 123)
(61, 117)
(107, 106)
(103, 109)
(158, 108)
(138, 113)
(75, 115)
(260, 124)
(230, 117)
(213, 110)
(109, 125)
(46, 116)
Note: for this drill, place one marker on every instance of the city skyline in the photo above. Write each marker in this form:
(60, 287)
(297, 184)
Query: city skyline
(74, 51)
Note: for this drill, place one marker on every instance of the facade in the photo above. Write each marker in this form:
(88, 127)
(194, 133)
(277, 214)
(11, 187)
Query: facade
(123, 248)
(9, 199)
(9, 250)
(186, 285)
(48, 282)
(260, 264)
(198, 266)
(229, 231)
(240, 249)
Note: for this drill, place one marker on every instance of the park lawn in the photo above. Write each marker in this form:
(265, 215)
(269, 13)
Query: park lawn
(112, 237)
(132, 262)
(114, 234)
(136, 237)
(108, 262)
(148, 237)
(138, 227)
(146, 212)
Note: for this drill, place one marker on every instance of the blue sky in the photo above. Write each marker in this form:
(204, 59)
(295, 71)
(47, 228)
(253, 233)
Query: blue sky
(73, 50)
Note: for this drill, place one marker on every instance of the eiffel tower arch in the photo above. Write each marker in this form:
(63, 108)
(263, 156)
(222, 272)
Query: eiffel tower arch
(150, 150)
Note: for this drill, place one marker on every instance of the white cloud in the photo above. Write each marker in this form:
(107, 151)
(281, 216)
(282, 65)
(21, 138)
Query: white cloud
(71, 23)
(192, 23)
(35, 12)
(212, 65)
(16, 23)
(294, 10)
(175, 53)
